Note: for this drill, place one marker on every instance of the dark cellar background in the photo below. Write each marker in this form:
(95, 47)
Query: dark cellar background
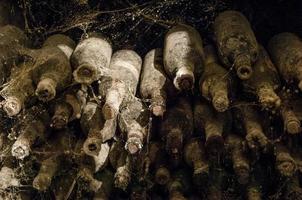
(141, 24)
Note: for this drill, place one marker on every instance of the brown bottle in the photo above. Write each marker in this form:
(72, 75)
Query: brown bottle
(113, 91)
(293, 190)
(90, 59)
(183, 56)
(98, 132)
(195, 157)
(48, 169)
(57, 144)
(87, 181)
(285, 164)
(176, 128)
(107, 179)
(157, 159)
(254, 191)
(214, 83)
(120, 161)
(251, 122)
(133, 123)
(291, 112)
(125, 67)
(215, 189)
(13, 41)
(241, 165)
(52, 71)
(264, 81)
(179, 185)
(236, 42)
(63, 185)
(66, 109)
(34, 128)
(213, 124)
(285, 50)
(154, 84)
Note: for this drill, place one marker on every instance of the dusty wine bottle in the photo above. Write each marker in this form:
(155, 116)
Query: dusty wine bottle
(236, 42)
(90, 59)
(113, 91)
(285, 51)
(213, 124)
(195, 157)
(66, 109)
(254, 191)
(215, 189)
(33, 130)
(264, 81)
(9, 176)
(125, 66)
(214, 83)
(290, 112)
(98, 132)
(179, 185)
(293, 190)
(13, 42)
(176, 128)
(154, 83)
(241, 165)
(120, 161)
(158, 161)
(18, 90)
(285, 164)
(52, 71)
(63, 185)
(107, 178)
(183, 56)
(59, 143)
(48, 169)
(86, 178)
(254, 134)
(133, 123)
(291, 122)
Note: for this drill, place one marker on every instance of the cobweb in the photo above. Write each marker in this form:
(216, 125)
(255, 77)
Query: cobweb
(136, 24)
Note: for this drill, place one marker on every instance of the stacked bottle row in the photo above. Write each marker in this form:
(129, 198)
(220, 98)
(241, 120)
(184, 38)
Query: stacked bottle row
(188, 121)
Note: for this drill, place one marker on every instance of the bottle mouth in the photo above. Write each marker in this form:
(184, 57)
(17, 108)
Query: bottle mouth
(59, 122)
(184, 79)
(158, 111)
(122, 179)
(286, 168)
(20, 150)
(184, 82)
(46, 90)
(293, 127)
(133, 145)
(85, 74)
(221, 102)
(92, 146)
(12, 106)
(162, 176)
(41, 182)
(268, 98)
(244, 72)
(201, 175)
(109, 112)
(242, 172)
